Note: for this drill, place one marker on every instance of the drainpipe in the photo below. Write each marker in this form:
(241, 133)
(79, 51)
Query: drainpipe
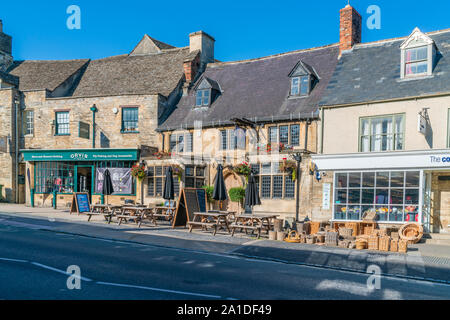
(94, 110)
(16, 151)
(322, 122)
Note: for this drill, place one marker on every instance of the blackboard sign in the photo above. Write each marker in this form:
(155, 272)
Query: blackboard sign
(191, 200)
(80, 203)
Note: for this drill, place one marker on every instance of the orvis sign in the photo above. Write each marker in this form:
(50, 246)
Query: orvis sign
(81, 155)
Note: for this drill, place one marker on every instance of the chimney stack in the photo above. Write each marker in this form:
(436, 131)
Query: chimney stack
(205, 43)
(350, 28)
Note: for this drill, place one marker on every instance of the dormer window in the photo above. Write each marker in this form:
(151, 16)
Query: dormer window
(417, 55)
(300, 86)
(203, 97)
(206, 92)
(303, 78)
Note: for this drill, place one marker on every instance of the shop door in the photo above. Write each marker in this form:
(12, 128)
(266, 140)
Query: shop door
(85, 179)
(441, 217)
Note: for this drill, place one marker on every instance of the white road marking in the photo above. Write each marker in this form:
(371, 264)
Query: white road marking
(13, 260)
(158, 289)
(59, 271)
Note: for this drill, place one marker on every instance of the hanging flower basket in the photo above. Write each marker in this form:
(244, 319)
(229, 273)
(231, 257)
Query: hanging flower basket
(178, 171)
(289, 166)
(138, 172)
(161, 154)
(243, 169)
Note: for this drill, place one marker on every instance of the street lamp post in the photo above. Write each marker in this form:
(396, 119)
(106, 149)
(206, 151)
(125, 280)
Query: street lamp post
(297, 157)
(94, 110)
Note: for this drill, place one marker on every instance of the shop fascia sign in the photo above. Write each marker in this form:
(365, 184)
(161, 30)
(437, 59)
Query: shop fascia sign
(80, 155)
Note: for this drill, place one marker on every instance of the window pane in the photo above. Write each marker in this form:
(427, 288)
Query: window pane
(273, 134)
(277, 186)
(151, 187)
(411, 196)
(295, 135)
(368, 179)
(340, 212)
(189, 171)
(129, 119)
(341, 180)
(397, 179)
(284, 134)
(382, 213)
(382, 179)
(396, 196)
(341, 196)
(265, 186)
(304, 86)
(353, 212)
(368, 196)
(416, 68)
(189, 182)
(354, 180)
(266, 168)
(381, 196)
(395, 213)
(205, 97)
(198, 100)
(412, 179)
(295, 86)
(289, 187)
(223, 139)
(354, 196)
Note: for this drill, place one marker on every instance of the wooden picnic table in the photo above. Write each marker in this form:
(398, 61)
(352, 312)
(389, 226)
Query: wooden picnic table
(210, 219)
(165, 212)
(100, 210)
(130, 212)
(253, 222)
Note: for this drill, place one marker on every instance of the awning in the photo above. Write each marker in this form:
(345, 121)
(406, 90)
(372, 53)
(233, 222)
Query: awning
(81, 155)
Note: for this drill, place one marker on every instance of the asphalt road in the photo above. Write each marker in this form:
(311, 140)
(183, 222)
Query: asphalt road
(33, 265)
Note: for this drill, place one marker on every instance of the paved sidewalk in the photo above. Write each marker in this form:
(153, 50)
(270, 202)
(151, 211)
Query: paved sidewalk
(423, 261)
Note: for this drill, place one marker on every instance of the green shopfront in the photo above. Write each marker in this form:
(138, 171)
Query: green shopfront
(63, 172)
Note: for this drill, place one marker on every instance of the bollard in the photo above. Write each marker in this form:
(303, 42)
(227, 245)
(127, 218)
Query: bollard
(32, 197)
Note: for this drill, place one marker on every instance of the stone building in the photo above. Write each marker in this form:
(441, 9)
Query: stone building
(76, 117)
(384, 130)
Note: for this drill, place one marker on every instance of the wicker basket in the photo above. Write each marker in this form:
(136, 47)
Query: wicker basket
(395, 236)
(354, 226)
(402, 246)
(314, 227)
(361, 244)
(384, 243)
(331, 238)
(394, 245)
(373, 243)
(411, 232)
(344, 243)
(310, 239)
(345, 232)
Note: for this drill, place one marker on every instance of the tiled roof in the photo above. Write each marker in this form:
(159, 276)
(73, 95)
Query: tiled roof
(40, 75)
(257, 89)
(371, 72)
(141, 74)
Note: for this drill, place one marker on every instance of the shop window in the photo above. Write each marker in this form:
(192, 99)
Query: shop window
(28, 122)
(272, 183)
(382, 133)
(155, 181)
(130, 120)
(50, 176)
(394, 195)
(62, 123)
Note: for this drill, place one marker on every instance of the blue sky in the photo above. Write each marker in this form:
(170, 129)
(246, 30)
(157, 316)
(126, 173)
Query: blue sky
(242, 29)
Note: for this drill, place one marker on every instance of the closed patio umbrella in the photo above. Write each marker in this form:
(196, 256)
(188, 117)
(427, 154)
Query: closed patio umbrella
(107, 188)
(220, 190)
(169, 192)
(251, 193)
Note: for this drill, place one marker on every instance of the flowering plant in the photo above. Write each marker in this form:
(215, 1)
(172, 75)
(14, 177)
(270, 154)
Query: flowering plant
(289, 166)
(161, 154)
(243, 169)
(138, 171)
(178, 171)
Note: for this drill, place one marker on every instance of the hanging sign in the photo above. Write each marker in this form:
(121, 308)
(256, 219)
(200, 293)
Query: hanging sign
(326, 192)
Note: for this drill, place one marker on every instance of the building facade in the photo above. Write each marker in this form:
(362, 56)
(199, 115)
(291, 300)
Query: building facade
(384, 131)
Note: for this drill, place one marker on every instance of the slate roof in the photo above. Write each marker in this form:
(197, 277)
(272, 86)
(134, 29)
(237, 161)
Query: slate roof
(256, 89)
(45, 74)
(125, 74)
(371, 72)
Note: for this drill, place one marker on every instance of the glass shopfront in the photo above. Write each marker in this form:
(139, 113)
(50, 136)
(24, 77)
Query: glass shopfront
(394, 195)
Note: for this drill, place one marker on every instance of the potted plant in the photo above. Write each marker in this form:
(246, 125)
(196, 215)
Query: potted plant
(289, 166)
(178, 171)
(237, 195)
(209, 193)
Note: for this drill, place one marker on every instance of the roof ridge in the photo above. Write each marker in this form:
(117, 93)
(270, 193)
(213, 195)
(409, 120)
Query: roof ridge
(52, 61)
(218, 64)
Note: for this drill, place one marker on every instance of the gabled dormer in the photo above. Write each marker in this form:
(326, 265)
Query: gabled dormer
(303, 79)
(418, 55)
(206, 92)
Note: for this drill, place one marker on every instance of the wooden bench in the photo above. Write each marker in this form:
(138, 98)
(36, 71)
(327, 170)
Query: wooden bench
(107, 216)
(203, 225)
(246, 227)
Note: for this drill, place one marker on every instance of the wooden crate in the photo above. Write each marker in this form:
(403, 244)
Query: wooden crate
(361, 244)
(331, 239)
(315, 226)
(394, 245)
(402, 246)
(373, 243)
(345, 232)
(384, 243)
(395, 235)
(367, 228)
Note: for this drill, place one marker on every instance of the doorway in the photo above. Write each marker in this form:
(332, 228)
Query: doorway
(84, 180)
(441, 216)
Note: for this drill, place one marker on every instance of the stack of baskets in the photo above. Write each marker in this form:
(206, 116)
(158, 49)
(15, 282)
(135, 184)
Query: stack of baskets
(402, 246)
(331, 239)
(361, 243)
(345, 233)
(373, 242)
(384, 243)
(394, 245)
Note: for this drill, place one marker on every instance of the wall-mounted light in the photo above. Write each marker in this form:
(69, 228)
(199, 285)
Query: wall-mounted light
(115, 110)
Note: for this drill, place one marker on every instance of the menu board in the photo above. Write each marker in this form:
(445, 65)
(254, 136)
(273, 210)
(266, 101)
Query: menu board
(191, 200)
(80, 203)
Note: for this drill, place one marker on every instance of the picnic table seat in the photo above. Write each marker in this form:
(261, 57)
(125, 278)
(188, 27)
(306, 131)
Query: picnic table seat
(246, 227)
(203, 224)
